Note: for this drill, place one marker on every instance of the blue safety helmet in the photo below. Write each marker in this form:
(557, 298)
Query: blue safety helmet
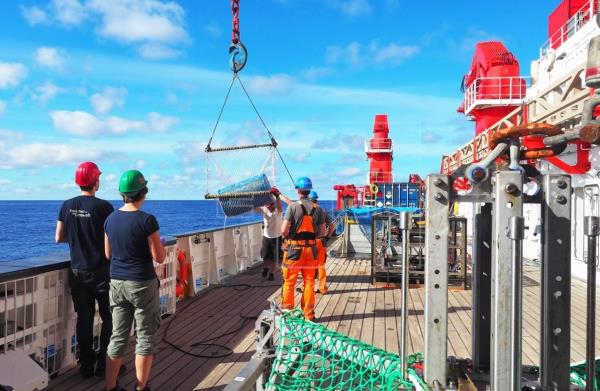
(313, 195)
(304, 183)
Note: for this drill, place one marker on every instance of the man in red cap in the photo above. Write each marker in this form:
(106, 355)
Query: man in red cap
(81, 224)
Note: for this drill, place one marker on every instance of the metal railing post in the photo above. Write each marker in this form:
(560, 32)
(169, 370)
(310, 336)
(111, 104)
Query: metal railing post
(481, 287)
(436, 278)
(555, 339)
(516, 234)
(591, 227)
(508, 202)
(405, 220)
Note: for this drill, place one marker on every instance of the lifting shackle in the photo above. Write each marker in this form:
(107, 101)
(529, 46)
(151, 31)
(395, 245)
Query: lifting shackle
(238, 55)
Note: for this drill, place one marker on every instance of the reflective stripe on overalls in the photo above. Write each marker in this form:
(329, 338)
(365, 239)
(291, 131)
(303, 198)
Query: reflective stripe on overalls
(300, 257)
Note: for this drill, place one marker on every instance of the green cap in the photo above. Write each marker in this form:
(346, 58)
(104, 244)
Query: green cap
(132, 181)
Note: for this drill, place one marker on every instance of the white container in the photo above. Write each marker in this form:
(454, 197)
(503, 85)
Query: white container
(225, 259)
(202, 259)
(255, 233)
(21, 373)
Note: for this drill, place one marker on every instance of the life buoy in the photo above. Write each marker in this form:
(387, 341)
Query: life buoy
(182, 276)
(373, 188)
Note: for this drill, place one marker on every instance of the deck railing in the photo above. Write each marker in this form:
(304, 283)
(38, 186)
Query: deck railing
(496, 91)
(567, 30)
(36, 310)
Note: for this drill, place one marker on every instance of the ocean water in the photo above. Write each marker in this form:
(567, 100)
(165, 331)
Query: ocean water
(27, 227)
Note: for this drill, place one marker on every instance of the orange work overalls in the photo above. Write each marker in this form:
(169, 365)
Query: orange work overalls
(300, 257)
(321, 258)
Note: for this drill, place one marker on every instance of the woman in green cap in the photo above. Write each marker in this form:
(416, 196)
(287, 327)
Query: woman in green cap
(132, 241)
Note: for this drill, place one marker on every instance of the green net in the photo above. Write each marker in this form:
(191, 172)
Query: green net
(312, 357)
(578, 375)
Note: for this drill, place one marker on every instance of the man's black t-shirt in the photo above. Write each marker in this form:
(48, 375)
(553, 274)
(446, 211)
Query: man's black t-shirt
(83, 219)
(130, 257)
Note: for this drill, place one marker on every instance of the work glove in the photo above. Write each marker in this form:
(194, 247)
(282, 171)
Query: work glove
(275, 191)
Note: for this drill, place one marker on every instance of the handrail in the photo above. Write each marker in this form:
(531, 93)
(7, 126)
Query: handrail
(35, 265)
(571, 26)
(506, 90)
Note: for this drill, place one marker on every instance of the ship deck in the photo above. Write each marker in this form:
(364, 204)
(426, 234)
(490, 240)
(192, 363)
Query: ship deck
(353, 307)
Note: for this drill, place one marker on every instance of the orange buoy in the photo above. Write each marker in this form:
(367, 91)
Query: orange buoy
(182, 276)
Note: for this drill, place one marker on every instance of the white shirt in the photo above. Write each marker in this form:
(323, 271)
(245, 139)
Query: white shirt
(272, 222)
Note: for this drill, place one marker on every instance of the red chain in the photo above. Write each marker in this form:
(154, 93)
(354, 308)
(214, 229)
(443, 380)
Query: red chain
(235, 9)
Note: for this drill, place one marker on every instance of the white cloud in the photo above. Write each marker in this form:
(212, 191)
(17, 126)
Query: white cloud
(76, 122)
(49, 57)
(140, 164)
(160, 123)
(69, 12)
(34, 15)
(154, 24)
(302, 157)
(357, 55)
(140, 21)
(350, 172)
(110, 97)
(213, 29)
(393, 53)
(156, 51)
(4, 182)
(11, 74)
(46, 92)
(171, 98)
(314, 73)
(271, 85)
(2, 107)
(429, 137)
(39, 155)
(349, 54)
(353, 8)
(82, 123)
(7, 134)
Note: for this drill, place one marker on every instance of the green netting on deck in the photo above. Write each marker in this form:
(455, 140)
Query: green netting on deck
(311, 357)
(578, 375)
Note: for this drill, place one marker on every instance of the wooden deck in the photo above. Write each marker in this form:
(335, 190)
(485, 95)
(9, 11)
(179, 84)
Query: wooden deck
(352, 307)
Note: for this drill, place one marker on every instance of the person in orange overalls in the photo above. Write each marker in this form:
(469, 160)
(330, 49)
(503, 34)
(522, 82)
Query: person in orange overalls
(322, 244)
(301, 227)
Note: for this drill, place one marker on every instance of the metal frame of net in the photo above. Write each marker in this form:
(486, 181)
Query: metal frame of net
(362, 216)
(312, 357)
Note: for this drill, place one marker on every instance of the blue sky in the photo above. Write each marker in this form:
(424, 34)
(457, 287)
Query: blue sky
(139, 84)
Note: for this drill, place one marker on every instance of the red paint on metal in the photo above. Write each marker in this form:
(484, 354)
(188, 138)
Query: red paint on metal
(379, 152)
(494, 74)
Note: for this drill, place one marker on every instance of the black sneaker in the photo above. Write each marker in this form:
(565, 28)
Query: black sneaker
(100, 369)
(143, 389)
(264, 272)
(117, 388)
(271, 277)
(87, 370)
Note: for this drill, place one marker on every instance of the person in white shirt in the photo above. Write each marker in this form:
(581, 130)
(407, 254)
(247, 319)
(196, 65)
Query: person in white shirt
(270, 251)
